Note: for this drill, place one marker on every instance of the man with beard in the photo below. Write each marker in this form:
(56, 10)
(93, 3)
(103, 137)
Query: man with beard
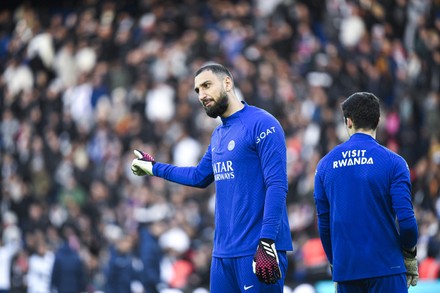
(247, 160)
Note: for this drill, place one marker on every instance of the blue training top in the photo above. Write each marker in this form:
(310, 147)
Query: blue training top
(360, 189)
(247, 160)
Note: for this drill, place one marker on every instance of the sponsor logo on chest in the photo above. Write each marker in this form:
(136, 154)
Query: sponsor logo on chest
(223, 170)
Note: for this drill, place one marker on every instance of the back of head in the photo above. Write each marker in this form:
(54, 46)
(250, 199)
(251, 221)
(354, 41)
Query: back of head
(363, 109)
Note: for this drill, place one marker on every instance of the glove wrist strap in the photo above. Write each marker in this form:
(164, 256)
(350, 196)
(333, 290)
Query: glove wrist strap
(410, 253)
(267, 240)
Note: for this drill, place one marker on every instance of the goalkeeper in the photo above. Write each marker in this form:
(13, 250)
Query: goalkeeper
(247, 160)
(363, 200)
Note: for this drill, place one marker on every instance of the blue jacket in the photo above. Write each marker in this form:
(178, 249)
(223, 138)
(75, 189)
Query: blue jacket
(247, 160)
(361, 189)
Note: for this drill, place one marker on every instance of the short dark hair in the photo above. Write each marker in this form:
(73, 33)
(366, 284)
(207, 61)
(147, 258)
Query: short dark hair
(216, 68)
(363, 109)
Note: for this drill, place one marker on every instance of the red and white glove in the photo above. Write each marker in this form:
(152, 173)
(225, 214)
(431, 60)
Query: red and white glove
(266, 264)
(143, 164)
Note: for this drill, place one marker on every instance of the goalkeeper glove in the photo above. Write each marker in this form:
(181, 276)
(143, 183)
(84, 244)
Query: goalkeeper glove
(412, 272)
(266, 264)
(143, 164)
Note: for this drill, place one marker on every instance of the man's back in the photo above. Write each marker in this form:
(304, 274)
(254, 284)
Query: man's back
(360, 191)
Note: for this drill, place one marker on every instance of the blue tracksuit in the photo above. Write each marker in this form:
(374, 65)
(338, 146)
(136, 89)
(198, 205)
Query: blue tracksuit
(247, 160)
(360, 189)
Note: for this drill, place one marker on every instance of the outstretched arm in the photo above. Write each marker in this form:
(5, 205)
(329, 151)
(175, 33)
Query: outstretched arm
(198, 176)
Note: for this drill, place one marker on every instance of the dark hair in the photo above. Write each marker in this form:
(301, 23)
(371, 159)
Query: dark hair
(217, 69)
(363, 109)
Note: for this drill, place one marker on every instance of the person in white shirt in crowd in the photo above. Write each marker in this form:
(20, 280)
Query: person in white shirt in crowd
(9, 246)
(40, 269)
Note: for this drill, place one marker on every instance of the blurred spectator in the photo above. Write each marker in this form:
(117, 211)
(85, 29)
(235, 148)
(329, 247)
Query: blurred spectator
(19, 269)
(8, 249)
(150, 254)
(68, 274)
(429, 267)
(315, 260)
(176, 268)
(40, 268)
(121, 268)
(37, 219)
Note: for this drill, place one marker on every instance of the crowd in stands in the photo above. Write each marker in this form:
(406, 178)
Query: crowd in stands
(84, 82)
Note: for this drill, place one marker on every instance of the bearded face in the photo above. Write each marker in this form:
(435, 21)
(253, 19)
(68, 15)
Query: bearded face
(215, 108)
(212, 91)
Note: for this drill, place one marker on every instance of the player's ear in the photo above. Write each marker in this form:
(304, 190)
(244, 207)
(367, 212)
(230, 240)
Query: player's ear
(348, 122)
(228, 83)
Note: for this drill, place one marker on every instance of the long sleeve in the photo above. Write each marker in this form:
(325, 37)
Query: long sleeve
(199, 176)
(401, 198)
(272, 154)
(323, 213)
